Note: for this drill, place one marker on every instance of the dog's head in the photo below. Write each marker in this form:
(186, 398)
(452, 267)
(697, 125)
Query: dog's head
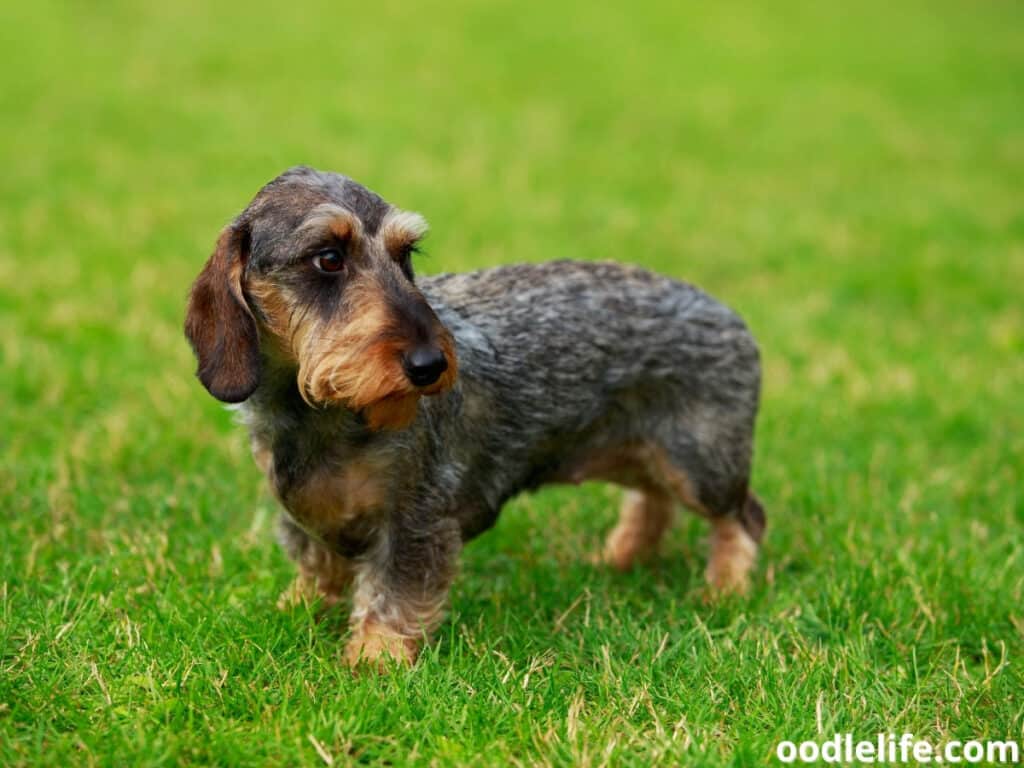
(316, 274)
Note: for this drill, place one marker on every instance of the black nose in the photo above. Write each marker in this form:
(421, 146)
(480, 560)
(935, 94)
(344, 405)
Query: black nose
(424, 365)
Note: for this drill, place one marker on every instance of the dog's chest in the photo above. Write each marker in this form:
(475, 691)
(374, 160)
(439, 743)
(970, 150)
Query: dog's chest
(325, 497)
(332, 499)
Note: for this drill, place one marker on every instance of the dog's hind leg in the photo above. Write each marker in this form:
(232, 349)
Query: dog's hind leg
(643, 519)
(734, 544)
(714, 484)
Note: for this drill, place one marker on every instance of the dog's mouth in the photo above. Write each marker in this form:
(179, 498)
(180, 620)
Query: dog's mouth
(438, 387)
(397, 410)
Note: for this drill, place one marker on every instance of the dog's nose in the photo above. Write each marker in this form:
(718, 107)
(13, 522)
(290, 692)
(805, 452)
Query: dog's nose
(424, 365)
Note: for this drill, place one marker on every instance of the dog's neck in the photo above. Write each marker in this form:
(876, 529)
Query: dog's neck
(277, 411)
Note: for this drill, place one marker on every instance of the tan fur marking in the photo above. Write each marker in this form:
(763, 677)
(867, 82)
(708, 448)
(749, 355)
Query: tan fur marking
(334, 220)
(354, 365)
(395, 241)
(322, 574)
(733, 553)
(301, 591)
(388, 620)
(377, 644)
(341, 227)
(277, 311)
(273, 305)
(647, 511)
(678, 482)
(333, 497)
(402, 229)
(396, 628)
(392, 412)
(643, 520)
(641, 466)
(627, 465)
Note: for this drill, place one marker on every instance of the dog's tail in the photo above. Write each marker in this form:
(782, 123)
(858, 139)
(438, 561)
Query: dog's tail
(752, 517)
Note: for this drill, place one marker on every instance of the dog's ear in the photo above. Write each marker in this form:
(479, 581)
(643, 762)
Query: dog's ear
(219, 324)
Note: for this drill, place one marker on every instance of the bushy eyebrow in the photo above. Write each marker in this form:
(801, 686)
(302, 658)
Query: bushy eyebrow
(324, 224)
(402, 229)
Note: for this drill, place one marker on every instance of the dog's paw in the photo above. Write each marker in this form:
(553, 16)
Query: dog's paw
(622, 549)
(378, 647)
(303, 592)
(733, 553)
(726, 579)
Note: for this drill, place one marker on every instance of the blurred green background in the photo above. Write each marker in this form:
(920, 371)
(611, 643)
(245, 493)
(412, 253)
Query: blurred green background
(847, 177)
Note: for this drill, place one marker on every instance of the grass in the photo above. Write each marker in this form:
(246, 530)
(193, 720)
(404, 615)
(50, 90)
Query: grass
(848, 178)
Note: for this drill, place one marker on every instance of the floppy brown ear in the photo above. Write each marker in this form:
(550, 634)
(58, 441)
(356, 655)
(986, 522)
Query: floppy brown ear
(219, 324)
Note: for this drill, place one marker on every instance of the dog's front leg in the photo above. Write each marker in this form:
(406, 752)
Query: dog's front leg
(402, 591)
(323, 574)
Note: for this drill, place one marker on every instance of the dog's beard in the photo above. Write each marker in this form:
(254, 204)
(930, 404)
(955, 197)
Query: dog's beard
(365, 374)
(361, 376)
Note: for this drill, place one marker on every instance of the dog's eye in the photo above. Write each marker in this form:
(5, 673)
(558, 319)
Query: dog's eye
(328, 261)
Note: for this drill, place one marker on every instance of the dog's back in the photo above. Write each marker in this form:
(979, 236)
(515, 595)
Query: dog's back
(595, 326)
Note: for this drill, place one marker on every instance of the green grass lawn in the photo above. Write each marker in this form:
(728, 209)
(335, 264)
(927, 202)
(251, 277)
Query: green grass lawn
(850, 177)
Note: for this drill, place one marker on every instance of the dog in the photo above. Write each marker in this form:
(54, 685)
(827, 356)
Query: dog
(393, 417)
